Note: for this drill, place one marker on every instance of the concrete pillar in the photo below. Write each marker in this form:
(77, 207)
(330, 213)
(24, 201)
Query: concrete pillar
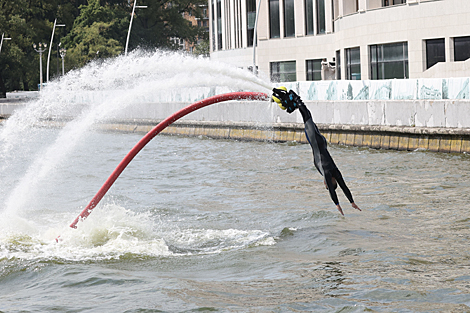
(232, 23)
(364, 62)
(224, 35)
(244, 23)
(449, 46)
(263, 20)
(211, 25)
(340, 8)
(328, 16)
(362, 6)
(299, 12)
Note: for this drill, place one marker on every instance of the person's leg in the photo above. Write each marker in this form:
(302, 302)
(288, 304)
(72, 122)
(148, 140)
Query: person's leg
(339, 179)
(331, 188)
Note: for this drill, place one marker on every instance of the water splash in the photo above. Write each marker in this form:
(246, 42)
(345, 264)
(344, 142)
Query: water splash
(116, 233)
(95, 93)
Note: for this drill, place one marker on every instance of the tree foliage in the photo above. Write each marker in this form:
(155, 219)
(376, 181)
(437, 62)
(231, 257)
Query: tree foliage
(163, 21)
(96, 33)
(94, 29)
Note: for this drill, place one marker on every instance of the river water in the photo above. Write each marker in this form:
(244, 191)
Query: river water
(202, 225)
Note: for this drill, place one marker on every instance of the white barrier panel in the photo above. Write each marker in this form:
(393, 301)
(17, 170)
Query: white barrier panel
(394, 89)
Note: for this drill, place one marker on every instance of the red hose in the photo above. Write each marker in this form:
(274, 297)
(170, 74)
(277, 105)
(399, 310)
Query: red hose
(155, 131)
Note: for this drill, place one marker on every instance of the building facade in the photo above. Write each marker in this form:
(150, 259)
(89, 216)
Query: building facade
(200, 22)
(307, 40)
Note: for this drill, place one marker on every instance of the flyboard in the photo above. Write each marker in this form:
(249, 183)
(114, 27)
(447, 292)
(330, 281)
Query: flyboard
(155, 131)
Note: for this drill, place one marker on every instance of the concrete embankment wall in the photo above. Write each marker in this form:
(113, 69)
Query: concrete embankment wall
(435, 125)
(378, 137)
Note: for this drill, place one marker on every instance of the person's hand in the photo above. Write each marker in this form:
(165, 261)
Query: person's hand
(340, 209)
(355, 206)
(286, 100)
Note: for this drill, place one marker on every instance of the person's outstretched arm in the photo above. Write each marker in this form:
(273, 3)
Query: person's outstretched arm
(306, 115)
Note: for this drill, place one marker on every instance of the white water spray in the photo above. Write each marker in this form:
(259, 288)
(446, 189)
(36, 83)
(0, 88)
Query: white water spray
(95, 93)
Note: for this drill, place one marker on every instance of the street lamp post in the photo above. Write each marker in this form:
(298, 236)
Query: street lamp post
(130, 24)
(1, 42)
(50, 47)
(62, 52)
(255, 31)
(41, 48)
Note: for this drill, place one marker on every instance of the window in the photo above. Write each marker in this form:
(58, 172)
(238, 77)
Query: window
(250, 17)
(283, 71)
(321, 22)
(178, 42)
(435, 51)
(350, 7)
(219, 24)
(338, 64)
(274, 24)
(289, 26)
(389, 61)
(387, 3)
(309, 17)
(313, 69)
(353, 64)
(461, 48)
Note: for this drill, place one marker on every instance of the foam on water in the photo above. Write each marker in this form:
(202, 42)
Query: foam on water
(79, 97)
(115, 232)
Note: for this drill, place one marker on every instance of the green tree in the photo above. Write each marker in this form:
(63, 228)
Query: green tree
(28, 22)
(94, 29)
(97, 33)
(202, 48)
(25, 22)
(161, 21)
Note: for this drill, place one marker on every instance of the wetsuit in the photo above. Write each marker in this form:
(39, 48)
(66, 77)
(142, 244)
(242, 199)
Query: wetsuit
(322, 158)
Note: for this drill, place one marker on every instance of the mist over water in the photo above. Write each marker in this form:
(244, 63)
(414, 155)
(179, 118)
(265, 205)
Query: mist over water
(196, 225)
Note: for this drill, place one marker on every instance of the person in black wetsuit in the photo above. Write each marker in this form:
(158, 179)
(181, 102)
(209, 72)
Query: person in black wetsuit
(322, 159)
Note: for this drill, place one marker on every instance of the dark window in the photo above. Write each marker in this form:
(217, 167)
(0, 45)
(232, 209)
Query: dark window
(435, 51)
(389, 61)
(314, 69)
(338, 64)
(250, 18)
(219, 24)
(289, 25)
(283, 71)
(321, 21)
(387, 3)
(353, 64)
(461, 48)
(309, 17)
(274, 24)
